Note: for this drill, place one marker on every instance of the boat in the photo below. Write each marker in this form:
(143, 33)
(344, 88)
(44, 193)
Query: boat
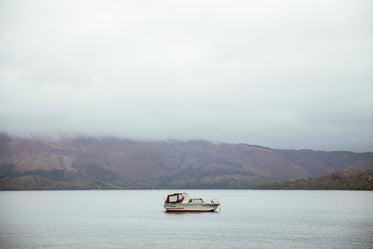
(181, 202)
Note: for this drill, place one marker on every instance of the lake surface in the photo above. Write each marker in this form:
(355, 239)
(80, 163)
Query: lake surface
(136, 219)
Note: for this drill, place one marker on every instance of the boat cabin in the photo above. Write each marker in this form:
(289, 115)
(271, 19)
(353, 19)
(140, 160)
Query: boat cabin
(176, 198)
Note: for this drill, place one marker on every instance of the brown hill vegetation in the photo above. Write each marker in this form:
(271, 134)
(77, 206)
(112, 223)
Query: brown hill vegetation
(110, 163)
(351, 179)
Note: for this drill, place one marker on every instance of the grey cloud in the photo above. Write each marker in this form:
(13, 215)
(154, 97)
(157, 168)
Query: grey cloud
(286, 74)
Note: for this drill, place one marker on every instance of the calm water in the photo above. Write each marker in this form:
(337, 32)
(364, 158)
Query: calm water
(136, 219)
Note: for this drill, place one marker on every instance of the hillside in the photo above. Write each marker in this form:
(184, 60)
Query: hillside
(111, 163)
(351, 179)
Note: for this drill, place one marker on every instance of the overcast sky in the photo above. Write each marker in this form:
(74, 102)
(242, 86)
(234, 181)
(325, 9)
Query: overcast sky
(283, 74)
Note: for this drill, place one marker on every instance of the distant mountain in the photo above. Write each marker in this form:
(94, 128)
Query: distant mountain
(114, 163)
(351, 179)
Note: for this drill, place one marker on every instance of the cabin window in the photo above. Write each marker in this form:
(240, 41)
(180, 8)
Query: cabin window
(197, 201)
(173, 198)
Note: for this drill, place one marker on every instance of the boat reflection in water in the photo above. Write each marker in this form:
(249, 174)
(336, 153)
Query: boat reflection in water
(181, 202)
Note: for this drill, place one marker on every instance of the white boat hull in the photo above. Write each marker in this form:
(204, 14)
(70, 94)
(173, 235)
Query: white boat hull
(188, 207)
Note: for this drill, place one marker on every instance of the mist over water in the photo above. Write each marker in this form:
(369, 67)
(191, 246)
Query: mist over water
(136, 219)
